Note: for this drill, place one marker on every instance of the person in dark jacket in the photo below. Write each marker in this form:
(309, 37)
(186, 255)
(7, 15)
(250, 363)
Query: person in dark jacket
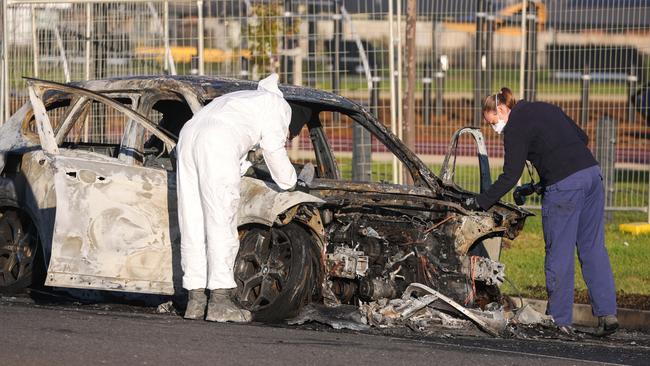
(573, 201)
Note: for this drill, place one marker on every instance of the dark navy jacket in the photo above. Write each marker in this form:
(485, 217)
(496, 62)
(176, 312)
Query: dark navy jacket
(543, 134)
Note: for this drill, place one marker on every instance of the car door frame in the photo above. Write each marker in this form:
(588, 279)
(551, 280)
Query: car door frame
(448, 172)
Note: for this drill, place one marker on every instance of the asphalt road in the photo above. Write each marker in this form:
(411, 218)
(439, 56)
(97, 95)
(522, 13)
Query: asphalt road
(71, 334)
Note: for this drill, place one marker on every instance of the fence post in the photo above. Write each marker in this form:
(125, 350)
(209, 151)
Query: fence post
(89, 27)
(338, 29)
(361, 154)
(244, 66)
(530, 87)
(392, 73)
(427, 80)
(170, 66)
(288, 44)
(478, 61)
(399, 90)
(5, 62)
(374, 95)
(488, 51)
(631, 90)
(440, 91)
(200, 35)
(35, 51)
(584, 96)
(362, 147)
(101, 30)
(311, 46)
(522, 51)
(336, 70)
(606, 133)
(166, 36)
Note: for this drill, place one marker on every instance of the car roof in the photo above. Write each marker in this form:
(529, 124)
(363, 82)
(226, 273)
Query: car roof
(210, 87)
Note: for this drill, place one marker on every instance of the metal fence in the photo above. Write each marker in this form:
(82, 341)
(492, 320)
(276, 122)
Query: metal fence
(590, 57)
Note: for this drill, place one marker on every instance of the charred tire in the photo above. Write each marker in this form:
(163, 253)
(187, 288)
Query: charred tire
(18, 250)
(276, 271)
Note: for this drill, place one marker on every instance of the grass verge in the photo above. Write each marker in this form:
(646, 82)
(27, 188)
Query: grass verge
(629, 255)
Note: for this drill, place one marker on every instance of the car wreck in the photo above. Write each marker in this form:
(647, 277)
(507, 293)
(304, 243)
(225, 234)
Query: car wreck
(92, 212)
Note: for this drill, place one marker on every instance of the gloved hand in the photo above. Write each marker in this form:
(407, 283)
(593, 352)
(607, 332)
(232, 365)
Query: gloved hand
(300, 186)
(472, 204)
(250, 172)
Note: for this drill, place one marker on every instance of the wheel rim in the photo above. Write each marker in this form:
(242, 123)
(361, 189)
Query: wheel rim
(262, 267)
(16, 252)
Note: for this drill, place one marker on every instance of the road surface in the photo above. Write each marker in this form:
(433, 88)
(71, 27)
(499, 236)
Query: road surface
(73, 334)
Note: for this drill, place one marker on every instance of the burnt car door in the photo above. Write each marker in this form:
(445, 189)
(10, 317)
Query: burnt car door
(489, 247)
(112, 229)
(448, 170)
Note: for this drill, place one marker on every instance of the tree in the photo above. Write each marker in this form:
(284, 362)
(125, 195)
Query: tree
(265, 32)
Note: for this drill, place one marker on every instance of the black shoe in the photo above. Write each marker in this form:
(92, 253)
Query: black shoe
(606, 325)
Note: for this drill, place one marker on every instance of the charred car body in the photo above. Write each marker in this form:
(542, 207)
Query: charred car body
(101, 213)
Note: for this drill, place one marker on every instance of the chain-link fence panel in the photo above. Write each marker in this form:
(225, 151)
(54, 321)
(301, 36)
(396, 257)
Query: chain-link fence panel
(588, 57)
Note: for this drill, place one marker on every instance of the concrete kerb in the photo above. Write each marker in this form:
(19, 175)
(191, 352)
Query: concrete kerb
(627, 318)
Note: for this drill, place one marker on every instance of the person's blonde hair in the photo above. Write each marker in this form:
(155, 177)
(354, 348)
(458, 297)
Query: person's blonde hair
(505, 98)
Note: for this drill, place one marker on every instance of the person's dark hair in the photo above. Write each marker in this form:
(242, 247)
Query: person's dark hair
(505, 98)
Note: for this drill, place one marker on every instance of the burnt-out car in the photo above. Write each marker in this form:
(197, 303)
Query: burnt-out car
(88, 200)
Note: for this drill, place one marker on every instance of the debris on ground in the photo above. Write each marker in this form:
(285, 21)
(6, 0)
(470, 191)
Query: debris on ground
(399, 311)
(543, 331)
(338, 317)
(167, 308)
(527, 315)
(426, 310)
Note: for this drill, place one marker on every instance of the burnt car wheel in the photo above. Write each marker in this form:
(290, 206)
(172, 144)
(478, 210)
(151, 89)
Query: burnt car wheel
(276, 271)
(18, 245)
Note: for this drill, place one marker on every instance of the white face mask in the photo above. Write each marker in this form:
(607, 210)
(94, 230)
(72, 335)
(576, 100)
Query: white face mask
(501, 123)
(498, 127)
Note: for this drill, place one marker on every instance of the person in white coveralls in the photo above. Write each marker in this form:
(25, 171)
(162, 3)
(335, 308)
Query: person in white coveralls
(211, 151)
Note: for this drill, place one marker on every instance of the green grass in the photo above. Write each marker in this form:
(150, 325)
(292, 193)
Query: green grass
(629, 256)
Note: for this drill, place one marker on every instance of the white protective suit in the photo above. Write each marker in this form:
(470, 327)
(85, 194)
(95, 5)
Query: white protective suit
(212, 149)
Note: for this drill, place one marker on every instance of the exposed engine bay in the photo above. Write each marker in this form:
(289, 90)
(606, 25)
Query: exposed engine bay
(378, 239)
(377, 254)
